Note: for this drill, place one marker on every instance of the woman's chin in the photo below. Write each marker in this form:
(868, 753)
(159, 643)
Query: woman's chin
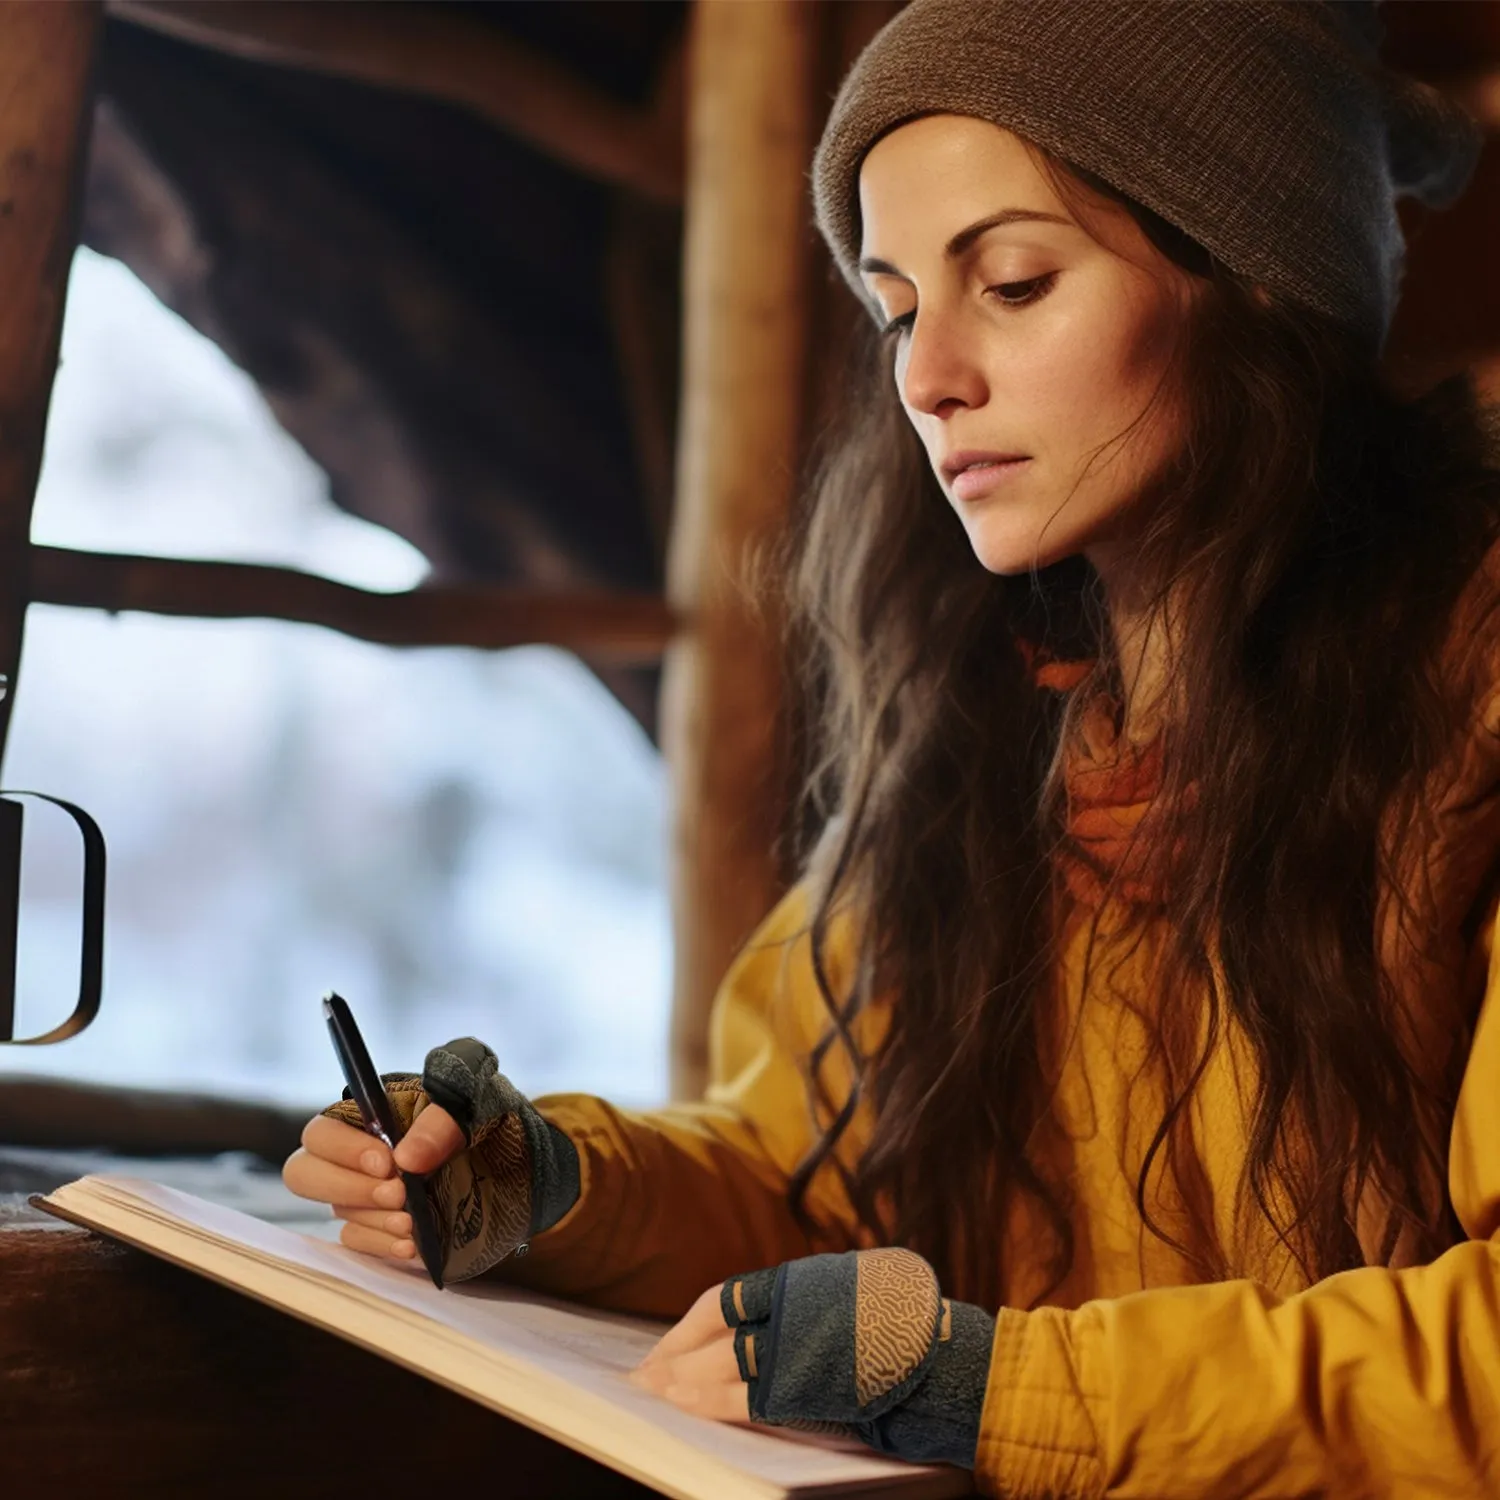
(1012, 555)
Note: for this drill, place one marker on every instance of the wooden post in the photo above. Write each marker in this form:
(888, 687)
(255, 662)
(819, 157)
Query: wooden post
(46, 56)
(744, 341)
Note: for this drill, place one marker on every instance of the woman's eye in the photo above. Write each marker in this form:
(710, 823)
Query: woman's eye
(898, 325)
(1031, 291)
(1009, 294)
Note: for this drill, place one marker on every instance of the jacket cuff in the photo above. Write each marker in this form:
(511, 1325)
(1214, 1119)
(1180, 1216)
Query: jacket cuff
(1042, 1432)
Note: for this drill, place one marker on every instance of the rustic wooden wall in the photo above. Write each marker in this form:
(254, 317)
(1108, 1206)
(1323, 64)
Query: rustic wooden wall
(468, 331)
(388, 252)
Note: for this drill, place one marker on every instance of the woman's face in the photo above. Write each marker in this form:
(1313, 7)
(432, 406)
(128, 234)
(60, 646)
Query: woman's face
(1020, 336)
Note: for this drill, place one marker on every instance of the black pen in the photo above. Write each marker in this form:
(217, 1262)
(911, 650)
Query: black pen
(380, 1120)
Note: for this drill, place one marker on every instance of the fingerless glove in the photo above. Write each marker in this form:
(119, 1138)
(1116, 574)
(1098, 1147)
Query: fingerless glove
(863, 1343)
(518, 1173)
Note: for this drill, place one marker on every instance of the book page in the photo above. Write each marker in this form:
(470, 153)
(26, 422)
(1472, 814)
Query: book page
(567, 1355)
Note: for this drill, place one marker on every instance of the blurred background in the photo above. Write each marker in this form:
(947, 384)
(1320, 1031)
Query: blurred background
(460, 842)
(407, 297)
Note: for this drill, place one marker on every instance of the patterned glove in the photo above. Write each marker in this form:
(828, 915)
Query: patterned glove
(864, 1344)
(518, 1174)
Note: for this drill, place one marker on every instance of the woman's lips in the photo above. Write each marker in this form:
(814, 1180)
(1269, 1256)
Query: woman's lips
(976, 482)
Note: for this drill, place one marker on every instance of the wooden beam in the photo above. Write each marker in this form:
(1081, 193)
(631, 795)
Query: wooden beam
(600, 626)
(744, 299)
(439, 53)
(46, 62)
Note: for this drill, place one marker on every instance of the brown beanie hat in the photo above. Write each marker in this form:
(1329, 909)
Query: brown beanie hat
(1268, 130)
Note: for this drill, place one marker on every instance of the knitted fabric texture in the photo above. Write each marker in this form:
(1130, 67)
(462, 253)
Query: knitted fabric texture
(1268, 130)
(863, 1343)
(518, 1176)
(465, 1078)
(1111, 784)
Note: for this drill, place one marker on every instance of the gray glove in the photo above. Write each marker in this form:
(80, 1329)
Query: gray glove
(518, 1173)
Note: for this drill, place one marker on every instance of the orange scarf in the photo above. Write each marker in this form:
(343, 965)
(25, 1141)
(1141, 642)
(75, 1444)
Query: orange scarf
(1111, 784)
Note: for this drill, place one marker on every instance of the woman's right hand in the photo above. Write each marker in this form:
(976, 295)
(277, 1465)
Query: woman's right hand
(353, 1172)
(495, 1170)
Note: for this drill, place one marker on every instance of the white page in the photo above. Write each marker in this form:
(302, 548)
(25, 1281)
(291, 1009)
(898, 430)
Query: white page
(589, 1350)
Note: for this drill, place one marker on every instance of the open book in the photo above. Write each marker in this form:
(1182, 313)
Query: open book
(555, 1366)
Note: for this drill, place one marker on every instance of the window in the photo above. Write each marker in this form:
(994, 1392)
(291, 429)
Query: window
(460, 842)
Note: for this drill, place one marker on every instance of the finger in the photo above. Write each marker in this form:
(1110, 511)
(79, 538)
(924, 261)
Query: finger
(433, 1139)
(719, 1403)
(346, 1146)
(376, 1242)
(396, 1224)
(713, 1364)
(310, 1176)
(701, 1323)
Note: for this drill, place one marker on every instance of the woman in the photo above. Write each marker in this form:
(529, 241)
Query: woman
(1110, 1106)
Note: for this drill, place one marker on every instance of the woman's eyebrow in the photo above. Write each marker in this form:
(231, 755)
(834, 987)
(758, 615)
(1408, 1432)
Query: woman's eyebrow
(966, 237)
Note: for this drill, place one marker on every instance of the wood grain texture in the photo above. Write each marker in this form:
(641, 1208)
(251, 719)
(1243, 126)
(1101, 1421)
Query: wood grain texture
(46, 62)
(121, 1375)
(744, 307)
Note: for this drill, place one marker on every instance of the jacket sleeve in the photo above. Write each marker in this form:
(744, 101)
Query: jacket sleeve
(1372, 1383)
(674, 1200)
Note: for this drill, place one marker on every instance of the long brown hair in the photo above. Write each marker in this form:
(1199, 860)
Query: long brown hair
(1311, 540)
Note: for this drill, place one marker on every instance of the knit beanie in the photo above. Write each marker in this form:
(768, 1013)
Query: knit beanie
(1268, 130)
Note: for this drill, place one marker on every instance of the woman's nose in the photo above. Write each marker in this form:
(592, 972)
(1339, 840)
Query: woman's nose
(941, 373)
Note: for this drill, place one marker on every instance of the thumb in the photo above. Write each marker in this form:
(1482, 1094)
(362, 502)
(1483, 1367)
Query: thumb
(433, 1139)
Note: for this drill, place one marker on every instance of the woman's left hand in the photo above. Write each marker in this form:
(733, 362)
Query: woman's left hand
(864, 1344)
(694, 1366)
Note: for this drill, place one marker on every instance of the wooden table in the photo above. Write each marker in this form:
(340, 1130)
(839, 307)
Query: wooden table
(121, 1375)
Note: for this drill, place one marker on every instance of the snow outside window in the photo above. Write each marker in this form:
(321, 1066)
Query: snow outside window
(460, 842)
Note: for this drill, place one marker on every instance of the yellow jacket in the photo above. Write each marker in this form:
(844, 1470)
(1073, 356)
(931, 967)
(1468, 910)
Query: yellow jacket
(1371, 1383)
(1135, 1378)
